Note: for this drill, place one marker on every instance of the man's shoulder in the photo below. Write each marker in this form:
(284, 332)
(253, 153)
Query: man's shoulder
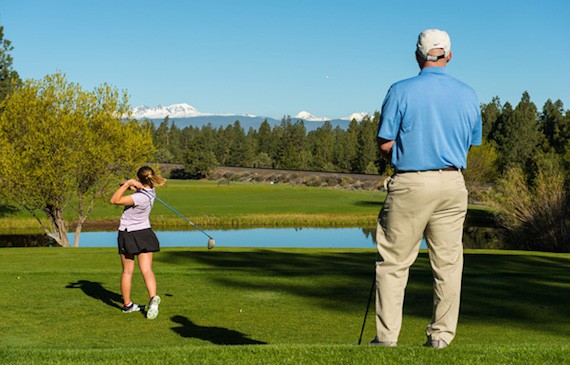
(406, 82)
(418, 81)
(461, 89)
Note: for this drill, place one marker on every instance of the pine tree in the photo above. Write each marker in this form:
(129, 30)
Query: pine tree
(291, 145)
(240, 151)
(490, 114)
(554, 126)
(322, 143)
(367, 151)
(521, 136)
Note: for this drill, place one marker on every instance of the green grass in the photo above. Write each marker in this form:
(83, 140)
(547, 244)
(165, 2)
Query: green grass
(212, 206)
(275, 306)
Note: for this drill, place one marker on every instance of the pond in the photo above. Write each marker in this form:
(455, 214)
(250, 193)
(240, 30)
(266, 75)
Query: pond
(258, 237)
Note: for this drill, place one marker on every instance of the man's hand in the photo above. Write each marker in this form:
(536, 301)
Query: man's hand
(385, 147)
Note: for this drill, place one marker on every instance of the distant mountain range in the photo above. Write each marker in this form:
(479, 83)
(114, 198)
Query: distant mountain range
(184, 115)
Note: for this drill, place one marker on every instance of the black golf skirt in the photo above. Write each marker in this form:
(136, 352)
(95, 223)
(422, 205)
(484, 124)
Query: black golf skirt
(135, 242)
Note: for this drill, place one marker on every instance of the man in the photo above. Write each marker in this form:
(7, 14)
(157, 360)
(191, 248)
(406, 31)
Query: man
(427, 126)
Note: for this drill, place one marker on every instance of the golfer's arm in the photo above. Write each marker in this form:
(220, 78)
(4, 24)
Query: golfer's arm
(118, 197)
(385, 147)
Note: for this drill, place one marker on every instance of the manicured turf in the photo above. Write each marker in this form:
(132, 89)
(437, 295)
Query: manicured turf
(202, 197)
(211, 205)
(214, 205)
(275, 306)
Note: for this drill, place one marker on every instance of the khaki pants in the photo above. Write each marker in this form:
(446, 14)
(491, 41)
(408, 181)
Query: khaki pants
(431, 204)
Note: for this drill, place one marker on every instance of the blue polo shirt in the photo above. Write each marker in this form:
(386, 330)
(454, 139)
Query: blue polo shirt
(433, 120)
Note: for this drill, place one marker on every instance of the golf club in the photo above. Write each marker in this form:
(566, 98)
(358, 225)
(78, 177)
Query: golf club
(211, 241)
(367, 307)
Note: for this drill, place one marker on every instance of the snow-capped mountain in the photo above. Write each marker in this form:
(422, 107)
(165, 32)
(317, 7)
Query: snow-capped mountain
(173, 111)
(185, 115)
(358, 116)
(183, 110)
(309, 117)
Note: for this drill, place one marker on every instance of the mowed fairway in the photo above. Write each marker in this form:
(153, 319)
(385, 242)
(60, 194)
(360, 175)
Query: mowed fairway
(212, 205)
(247, 204)
(273, 306)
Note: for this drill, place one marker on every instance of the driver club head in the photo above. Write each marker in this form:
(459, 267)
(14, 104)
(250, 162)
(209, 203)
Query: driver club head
(211, 243)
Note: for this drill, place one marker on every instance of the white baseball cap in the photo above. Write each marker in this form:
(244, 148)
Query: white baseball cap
(430, 39)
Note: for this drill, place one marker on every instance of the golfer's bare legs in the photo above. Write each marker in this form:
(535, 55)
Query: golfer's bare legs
(128, 263)
(145, 265)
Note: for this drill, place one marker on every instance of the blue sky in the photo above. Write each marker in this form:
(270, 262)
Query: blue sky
(273, 58)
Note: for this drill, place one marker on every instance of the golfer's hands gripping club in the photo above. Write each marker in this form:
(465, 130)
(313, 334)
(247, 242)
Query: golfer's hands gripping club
(132, 184)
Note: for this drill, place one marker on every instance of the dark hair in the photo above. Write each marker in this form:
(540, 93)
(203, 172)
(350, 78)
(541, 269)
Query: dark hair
(147, 176)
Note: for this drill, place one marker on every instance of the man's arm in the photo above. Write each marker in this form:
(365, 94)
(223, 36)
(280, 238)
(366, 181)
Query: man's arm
(385, 147)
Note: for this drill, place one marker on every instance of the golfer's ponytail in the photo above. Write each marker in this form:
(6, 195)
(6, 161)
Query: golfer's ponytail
(147, 176)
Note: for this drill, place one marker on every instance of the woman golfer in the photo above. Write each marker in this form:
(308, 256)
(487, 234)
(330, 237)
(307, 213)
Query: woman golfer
(136, 238)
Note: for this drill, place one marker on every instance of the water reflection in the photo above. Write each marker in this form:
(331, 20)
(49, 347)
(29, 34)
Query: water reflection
(474, 237)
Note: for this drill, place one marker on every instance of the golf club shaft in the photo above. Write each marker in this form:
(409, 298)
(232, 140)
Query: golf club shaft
(367, 307)
(175, 211)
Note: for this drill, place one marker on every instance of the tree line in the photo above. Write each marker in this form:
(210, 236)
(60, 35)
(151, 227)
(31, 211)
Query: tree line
(284, 146)
(512, 136)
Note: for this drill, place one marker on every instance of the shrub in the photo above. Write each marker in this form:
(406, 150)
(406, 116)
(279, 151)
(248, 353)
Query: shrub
(534, 211)
(313, 181)
(371, 169)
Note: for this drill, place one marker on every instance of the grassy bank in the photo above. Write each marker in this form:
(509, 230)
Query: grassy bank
(275, 306)
(210, 204)
(213, 205)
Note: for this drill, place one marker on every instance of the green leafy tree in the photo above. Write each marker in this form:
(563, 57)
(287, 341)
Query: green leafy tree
(161, 136)
(346, 145)
(222, 143)
(291, 146)
(241, 150)
(274, 150)
(263, 161)
(185, 140)
(163, 155)
(366, 146)
(175, 142)
(534, 210)
(481, 166)
(520, 134)
(9, 78)
(490, 114)
(265, 140)
(199, 158)
(498, 133)
(63, 148)
(162, 140)
(555, 126)
(322, 143)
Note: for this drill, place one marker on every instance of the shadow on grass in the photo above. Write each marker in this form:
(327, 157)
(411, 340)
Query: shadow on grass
(96, 291)
(530, 290)
(369, 203)
(215, 335)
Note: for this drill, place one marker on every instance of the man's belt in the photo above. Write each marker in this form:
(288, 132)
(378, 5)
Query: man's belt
(450, 168)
